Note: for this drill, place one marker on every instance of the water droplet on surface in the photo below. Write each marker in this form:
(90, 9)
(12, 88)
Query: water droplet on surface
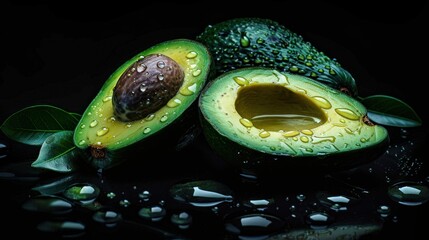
(149, 117)
(94, 123)
(174, 103)
(254, 224)
(409, 193)
(292, 133)
(183, 220)
(319, 220)
(65, 229)
(82, 126)
(143, 88)
(264, 134)
(300, 197)
(335, 202)
(124, 203)
(109, 218)
(347, 113)
(246, 122)
(48, 204)
(111, 195)
(147, 130)
(160, 64)
(154, 213)
(141, 67)
(244, 41)
(163, 118)
(206, 193)
(241, 80)
(108, 98)
(83, 192)
(145, 195)
(304, 139)
(160, 77)
(103, 131)
(188, 91)
(191, 55)
(82, 142)
(259, 204)
(307, 132)
(383, 210)
(196, 72)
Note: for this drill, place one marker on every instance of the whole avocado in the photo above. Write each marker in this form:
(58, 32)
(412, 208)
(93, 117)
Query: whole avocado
(248, 42)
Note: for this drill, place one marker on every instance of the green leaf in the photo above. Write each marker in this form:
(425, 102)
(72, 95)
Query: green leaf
(32, 125)
(390, 111)
(58, 153)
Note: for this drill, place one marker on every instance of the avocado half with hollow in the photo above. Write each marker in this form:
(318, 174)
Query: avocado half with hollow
(148, 93)
(259, 118)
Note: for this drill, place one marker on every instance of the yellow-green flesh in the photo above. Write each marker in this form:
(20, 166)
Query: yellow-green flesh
(286, 114)
(99, 127)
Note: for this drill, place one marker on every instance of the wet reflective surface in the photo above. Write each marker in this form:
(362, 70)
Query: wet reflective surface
(203, 197)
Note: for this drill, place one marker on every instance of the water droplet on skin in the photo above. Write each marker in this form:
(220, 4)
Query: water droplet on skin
(66, 229)
(82, 126)
(183, 220)
(150, 117)
(254, 224)
(141, 67)
(244, 41)
(322, 102)
(347, 113)
(174, 103)
(89, 113)
(160, 77)
(103, 131)
(146, 130)
(319, 220)
(154, 213)
(48, 204)
(191, 55)
(109, 218)
(246, 122)
(108, 98)
(163, 118)
(196, 72)
(294, 69)
(241, 80)
(82, 142)
(83, 192)
(124, 203)
(94, 123)
(160, 64)
(145, 195)
(205, 193)
(264, 134)
(304, 139)
(260, 41)
(383, 210)
(409, 193)
(111, 195)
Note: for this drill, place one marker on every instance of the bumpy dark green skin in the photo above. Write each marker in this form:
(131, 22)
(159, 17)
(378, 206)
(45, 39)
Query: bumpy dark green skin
(246, 42)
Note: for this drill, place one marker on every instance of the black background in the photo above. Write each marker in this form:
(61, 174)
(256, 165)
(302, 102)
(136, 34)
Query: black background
(60, 53)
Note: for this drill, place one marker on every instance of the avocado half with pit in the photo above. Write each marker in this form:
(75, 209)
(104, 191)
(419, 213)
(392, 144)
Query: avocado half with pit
(260, 118)
(150, 92)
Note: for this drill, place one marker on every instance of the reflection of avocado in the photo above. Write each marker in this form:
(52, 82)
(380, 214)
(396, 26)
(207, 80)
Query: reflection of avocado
(258, 116)
(143, 96)
(246, 42)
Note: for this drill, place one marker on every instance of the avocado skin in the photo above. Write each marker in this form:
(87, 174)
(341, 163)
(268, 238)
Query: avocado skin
(240, 158)
(246, 42)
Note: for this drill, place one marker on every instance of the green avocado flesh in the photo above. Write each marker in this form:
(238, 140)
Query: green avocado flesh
(99, 128)
(247, 42)
(281, 114)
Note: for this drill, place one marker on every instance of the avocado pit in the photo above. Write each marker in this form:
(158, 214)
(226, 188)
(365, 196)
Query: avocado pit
(146, 86)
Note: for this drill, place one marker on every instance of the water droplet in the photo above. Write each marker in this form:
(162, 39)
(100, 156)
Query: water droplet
(259, 204)
(300, 197)
(191, 55)
(246, 122)
(335, 202)
(163, 118)
(409, 193)
(160, 77)
(383, 210)
(143, 88)
(65, 229)
(319, 220)
(102, 131)
(322, 102)
(160, 64)
(147, 130)
(254, 224)
(82, 142)
(109, 218)
(307, 132)
(111, 195)
(304, 139)
(83, 192)
(145, 195)
(196, 72)
(150, 117)
(183, 220)
(347, 113)
(294, 69)
(82, 126)
(108, 98)
(292, 133)
(241, 80)
(48, 204)
(141, 67)
(205, 193)
(155, 213)
(128, 125)
(124, 203)
(188, 91)
(244, 41)
(89, 113)
(264, 134)
(94, 123)
(174, 103)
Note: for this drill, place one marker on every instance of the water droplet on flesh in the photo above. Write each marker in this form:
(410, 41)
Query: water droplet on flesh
(347, 113)
(191, 55)
(241, 80)
(147, 130)
(103, 131)
(94, 123)
(196, 72)
(163, 118)
(108, 98)
(246, 122)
